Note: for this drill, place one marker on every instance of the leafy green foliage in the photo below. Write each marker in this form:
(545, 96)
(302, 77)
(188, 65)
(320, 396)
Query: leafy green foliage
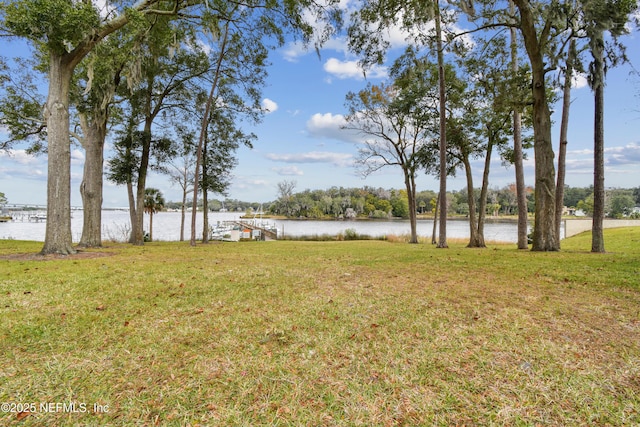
(153, 200)
(53, 25)
(219, 158)
(21, 106)
(621, 205)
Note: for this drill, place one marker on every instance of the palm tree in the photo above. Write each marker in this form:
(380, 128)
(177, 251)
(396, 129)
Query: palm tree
(153, 202)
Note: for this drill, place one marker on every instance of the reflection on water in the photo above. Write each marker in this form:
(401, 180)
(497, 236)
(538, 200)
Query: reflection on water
(166, 226)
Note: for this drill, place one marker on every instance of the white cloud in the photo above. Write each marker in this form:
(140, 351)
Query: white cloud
(269, 105)
(353, 70)
(579, 81)
(17, 164)
(584, 152)
(580, 165)
(245, 182)
(20, 156)
(337, 159)
(77, 157)
(330, 126)
(627, 155)
(293, 51)
(325, 121)
(288, 171)
(580, 162)
(204, 46)
(104, 8)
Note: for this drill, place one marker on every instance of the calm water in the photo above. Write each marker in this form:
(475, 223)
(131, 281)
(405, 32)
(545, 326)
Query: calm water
(166, 226)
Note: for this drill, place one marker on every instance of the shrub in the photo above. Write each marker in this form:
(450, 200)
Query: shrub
(350, 234)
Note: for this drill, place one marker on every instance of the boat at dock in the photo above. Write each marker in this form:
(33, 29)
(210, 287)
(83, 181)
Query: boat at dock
(38, 217)
(236, 230)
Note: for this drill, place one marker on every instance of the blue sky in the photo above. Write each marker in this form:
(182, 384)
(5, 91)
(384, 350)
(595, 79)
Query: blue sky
(300, 138)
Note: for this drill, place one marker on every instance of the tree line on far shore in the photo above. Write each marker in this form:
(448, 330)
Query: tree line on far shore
(380, 203)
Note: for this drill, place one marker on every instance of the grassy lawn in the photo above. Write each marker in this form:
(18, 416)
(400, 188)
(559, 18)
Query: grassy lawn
(366, 333)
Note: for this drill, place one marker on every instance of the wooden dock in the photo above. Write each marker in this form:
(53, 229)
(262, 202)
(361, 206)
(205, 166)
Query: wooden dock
(26, 217)
(269, 233)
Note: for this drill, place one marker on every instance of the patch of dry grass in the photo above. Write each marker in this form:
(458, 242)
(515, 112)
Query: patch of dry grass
(325, 333)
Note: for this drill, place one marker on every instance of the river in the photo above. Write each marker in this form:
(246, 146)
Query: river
(166, 226)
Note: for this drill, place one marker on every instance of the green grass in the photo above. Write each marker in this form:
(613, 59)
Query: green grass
(350, 333)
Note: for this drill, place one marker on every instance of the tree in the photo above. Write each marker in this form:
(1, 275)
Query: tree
(161, 89)
(442, 238)
(285, 194)
(400, 204)
(64, 32)
(542, 26)
(483, 122)
(586, 205)
(91, 95)
(181, 169)
(223, 139)
(621, 205)
(21, 105)
(572, 195)
(366, 38)
(236, 83)
(97, 79)
(396, 121)
(242, 35)
(537, 28)
(3, 199)
(600, 17)
(569, 68)
(153, 203)
(518, 154)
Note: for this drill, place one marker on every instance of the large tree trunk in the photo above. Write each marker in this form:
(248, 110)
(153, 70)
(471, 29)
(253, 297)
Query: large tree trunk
(151, 226)
(471, 201)
(521, 192)
(597, 236)
(477, 232)
(132, 212)
(442, 238)
(137, 232)
(544, 235)
(91, 187)
(435, 221)
(205, 193)
(410, 185)
(182, 213)
(203, 131)
(564, 127)
(58, 230)
(205, 216)
(518, 155)
(482, 204)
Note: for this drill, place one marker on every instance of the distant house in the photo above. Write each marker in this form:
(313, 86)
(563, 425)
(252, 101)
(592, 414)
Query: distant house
(572, 211)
